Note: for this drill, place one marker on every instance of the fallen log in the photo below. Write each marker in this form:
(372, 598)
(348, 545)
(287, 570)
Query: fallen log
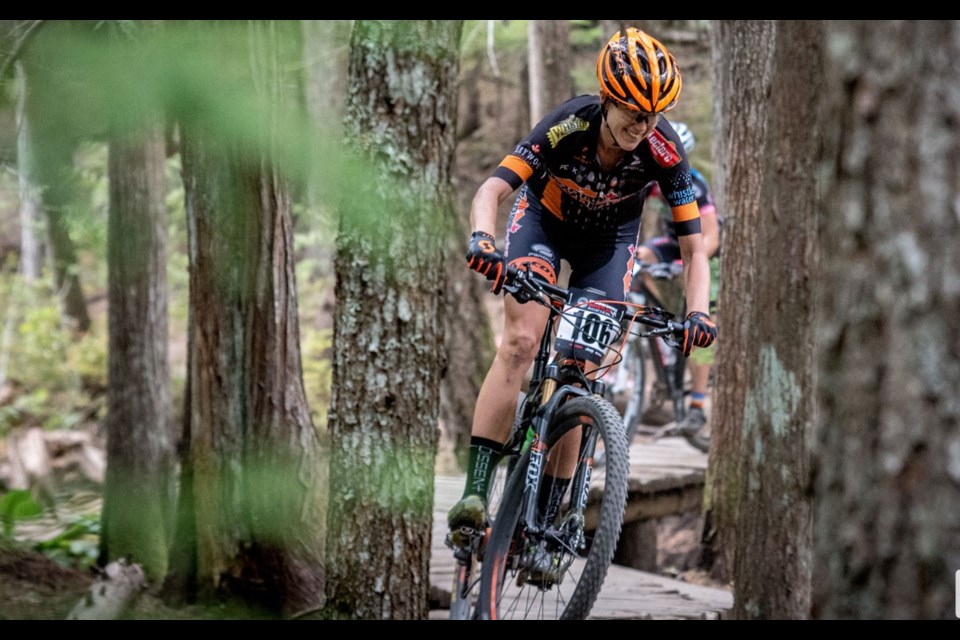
(111, 593)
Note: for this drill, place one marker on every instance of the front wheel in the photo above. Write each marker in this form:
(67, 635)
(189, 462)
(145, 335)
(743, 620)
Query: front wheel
(579, 541)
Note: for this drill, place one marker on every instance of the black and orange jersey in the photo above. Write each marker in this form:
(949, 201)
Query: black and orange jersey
(702, 193)
(558, 161)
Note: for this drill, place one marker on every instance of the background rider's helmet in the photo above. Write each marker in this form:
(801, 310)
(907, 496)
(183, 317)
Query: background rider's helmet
(686, 136)
(637, 71)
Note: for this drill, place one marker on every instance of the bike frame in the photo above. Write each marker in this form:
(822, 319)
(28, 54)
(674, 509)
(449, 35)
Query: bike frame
(551, 384)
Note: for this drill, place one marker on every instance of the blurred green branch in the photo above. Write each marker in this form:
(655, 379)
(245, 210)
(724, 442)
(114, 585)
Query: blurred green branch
(31, 28)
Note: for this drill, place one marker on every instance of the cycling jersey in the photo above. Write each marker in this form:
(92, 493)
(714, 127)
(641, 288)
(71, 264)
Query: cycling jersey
(583, 213)
(667, 247)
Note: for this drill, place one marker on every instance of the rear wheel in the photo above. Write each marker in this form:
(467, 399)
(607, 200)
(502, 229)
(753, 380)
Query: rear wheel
(581, 538)
(635, 362)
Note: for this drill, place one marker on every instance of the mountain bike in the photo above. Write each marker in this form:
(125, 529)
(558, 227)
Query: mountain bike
(658, 354)
(556, 522)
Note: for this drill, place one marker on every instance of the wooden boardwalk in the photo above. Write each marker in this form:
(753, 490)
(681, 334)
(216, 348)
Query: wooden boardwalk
(666, 477)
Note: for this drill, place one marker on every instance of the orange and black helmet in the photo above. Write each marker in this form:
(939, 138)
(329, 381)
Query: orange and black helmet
(637, 71)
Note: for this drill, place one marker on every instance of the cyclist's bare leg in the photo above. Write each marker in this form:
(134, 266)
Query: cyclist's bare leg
(493, 416)
(563, 455)
(497, 400)
(699, 376)
(696, 418)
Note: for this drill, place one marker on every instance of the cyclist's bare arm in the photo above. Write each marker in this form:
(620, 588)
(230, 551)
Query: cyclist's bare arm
(483, 210)
(710, 228)
(696, 272)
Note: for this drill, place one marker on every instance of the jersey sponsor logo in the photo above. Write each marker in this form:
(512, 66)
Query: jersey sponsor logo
(560, 131)
(590, 199)
(664, 151)
(528, 155)
(538, 266)
(682, 196)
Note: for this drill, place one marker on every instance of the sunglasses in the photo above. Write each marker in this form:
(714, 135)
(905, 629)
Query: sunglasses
(639, 116)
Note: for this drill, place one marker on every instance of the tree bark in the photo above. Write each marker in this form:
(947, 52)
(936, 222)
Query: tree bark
(31, 247)
(887, 536)
(741, 54)
(774, 527)
(388, 336)
(139, 489)
(548, 47)
(252, 510)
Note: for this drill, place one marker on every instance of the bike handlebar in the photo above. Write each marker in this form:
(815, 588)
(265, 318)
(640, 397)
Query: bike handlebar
(524, 287)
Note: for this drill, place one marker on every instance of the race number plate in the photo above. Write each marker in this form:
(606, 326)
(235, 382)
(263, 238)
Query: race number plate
(587, 328)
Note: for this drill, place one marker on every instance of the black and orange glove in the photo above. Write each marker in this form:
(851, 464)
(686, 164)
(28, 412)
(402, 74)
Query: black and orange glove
(698, 331)
(483, 257)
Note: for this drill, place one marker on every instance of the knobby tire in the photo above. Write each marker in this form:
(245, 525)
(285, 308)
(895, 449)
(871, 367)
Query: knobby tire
(574, 596)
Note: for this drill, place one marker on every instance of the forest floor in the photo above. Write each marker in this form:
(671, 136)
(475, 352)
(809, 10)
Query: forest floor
(33, 586)
(47, 586)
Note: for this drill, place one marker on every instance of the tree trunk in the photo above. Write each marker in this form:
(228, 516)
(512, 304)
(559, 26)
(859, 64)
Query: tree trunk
(252, 508)
(31, 248)
(548, 46)
(887, 537)
(64, 256)
(774, 527)
(139, 490)
(740, 126)
(388, 336)
(52, 173)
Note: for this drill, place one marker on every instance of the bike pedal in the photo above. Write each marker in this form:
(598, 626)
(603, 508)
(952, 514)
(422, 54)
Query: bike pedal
(463, 537)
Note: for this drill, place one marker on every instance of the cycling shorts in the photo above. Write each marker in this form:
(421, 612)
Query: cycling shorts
(600, 252)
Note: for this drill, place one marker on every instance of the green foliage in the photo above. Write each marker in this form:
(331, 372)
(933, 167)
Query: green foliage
(87, 213)
(178, 276)
(17, 505)
(509, 38)
(587, 35)
(314, 246)
(78, 544)
(87, 83)
(62, 376)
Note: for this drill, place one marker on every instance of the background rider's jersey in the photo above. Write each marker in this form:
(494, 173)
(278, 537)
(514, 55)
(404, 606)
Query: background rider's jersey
(558, 161)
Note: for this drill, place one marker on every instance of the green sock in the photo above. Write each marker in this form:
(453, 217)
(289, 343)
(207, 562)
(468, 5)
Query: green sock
(484, 456)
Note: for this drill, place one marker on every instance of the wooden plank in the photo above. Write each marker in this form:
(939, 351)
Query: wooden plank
(626, 593)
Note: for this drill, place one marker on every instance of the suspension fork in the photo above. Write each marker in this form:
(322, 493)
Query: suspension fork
(551, 398)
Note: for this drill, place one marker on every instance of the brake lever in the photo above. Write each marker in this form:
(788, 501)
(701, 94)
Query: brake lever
(525, 288)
